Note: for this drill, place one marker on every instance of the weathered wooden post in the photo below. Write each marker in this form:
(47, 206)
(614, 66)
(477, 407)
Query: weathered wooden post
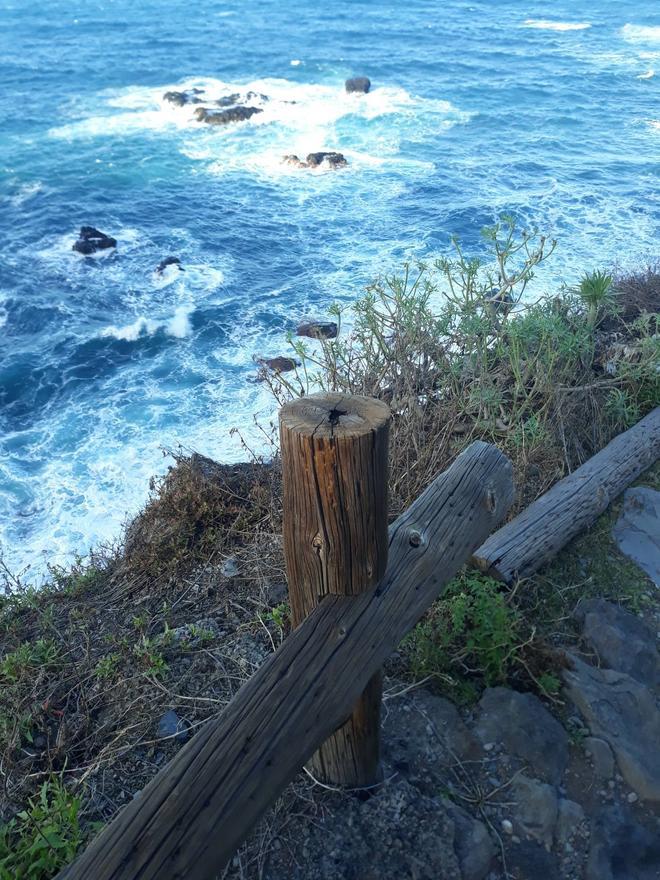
(334, 462)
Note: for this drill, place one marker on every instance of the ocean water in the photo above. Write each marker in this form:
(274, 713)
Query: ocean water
(547, 110)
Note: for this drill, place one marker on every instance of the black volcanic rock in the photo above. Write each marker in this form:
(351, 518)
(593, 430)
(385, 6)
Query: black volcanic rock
(91, 240)
(239, 113)
(358, 84)
(168, 261)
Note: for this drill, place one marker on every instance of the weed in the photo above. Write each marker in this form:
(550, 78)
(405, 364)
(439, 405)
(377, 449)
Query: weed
(471, 628)
(42, 838)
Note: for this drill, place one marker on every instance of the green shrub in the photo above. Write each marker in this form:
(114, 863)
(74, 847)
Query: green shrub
(471, 628)
(44, 837)
(457, 355)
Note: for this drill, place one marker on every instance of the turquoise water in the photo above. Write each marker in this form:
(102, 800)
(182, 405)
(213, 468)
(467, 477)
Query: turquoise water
(550, 111)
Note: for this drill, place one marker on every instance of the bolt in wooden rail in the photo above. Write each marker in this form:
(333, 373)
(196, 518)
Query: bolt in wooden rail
(334, 469)
(190, 819)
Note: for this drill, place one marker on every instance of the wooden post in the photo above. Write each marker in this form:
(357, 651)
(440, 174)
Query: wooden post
(334, 464)
(192, 816)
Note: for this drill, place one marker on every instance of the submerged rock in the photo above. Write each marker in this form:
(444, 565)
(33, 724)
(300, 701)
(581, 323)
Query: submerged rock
(169, 261)
(317, 329)
(359, 84)
(180, 99)
(240, 113)
(314, 160)
(278, 364)
(91, 240)
(334, 160)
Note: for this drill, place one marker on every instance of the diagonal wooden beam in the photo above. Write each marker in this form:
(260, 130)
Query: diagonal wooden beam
(190, 819)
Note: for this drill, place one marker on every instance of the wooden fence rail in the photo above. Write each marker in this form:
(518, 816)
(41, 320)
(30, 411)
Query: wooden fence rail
(191, 818)
(537, 534)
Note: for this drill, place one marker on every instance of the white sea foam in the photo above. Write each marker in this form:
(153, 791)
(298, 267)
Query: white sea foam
(25, 192)
(637, 33)
(544, 25)
(299, 117)
(647, 75)
(178, 326)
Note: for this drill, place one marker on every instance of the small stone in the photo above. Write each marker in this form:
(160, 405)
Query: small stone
(507, 826)
(171, 726)
(488, 747)
(229, 567)
(632, 798)
(601, 756)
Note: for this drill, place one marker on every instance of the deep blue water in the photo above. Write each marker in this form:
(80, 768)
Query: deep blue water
(476, 108)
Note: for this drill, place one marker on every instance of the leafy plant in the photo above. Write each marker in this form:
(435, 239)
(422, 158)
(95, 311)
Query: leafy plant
(596, 290)
(44, 837)
(472, 627)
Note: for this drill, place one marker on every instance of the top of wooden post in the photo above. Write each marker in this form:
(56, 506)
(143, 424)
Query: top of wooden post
(334, 416)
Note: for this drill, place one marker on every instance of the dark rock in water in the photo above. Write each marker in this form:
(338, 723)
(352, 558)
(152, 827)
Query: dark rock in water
(637, 531)
(314, 160)
(526, 729)
(228, 100)
(498, 300)
(335, 160)
(621, 849)
(295, 161)
(278, 364)
(621, 640)
(91, 240)
(169, 261)
(624, 713)
(232, 100)
(360, 84)
(317, 329)
(180, 99)
(170, 725)
(224, 117)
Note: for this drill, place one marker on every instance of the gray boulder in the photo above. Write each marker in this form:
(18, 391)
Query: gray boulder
(570, 817)
(637, 531)
(359, 84)
(170, 726)
(472, 843)
(526, 729)
(536, 810)
(621, 640)
(601, 757)
(621, 849)
(623, 712)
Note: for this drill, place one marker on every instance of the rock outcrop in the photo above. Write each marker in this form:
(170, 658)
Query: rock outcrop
(358, 84)
(315, 160)
(169, 261)
(180, 99)
(91, 240)
(278, 364)
(526, 729)
(637, 531)
(240, 113)
(317, 329)
(624, 713)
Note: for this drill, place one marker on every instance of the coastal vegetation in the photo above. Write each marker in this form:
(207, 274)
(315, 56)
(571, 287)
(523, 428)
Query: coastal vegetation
(174, 619)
